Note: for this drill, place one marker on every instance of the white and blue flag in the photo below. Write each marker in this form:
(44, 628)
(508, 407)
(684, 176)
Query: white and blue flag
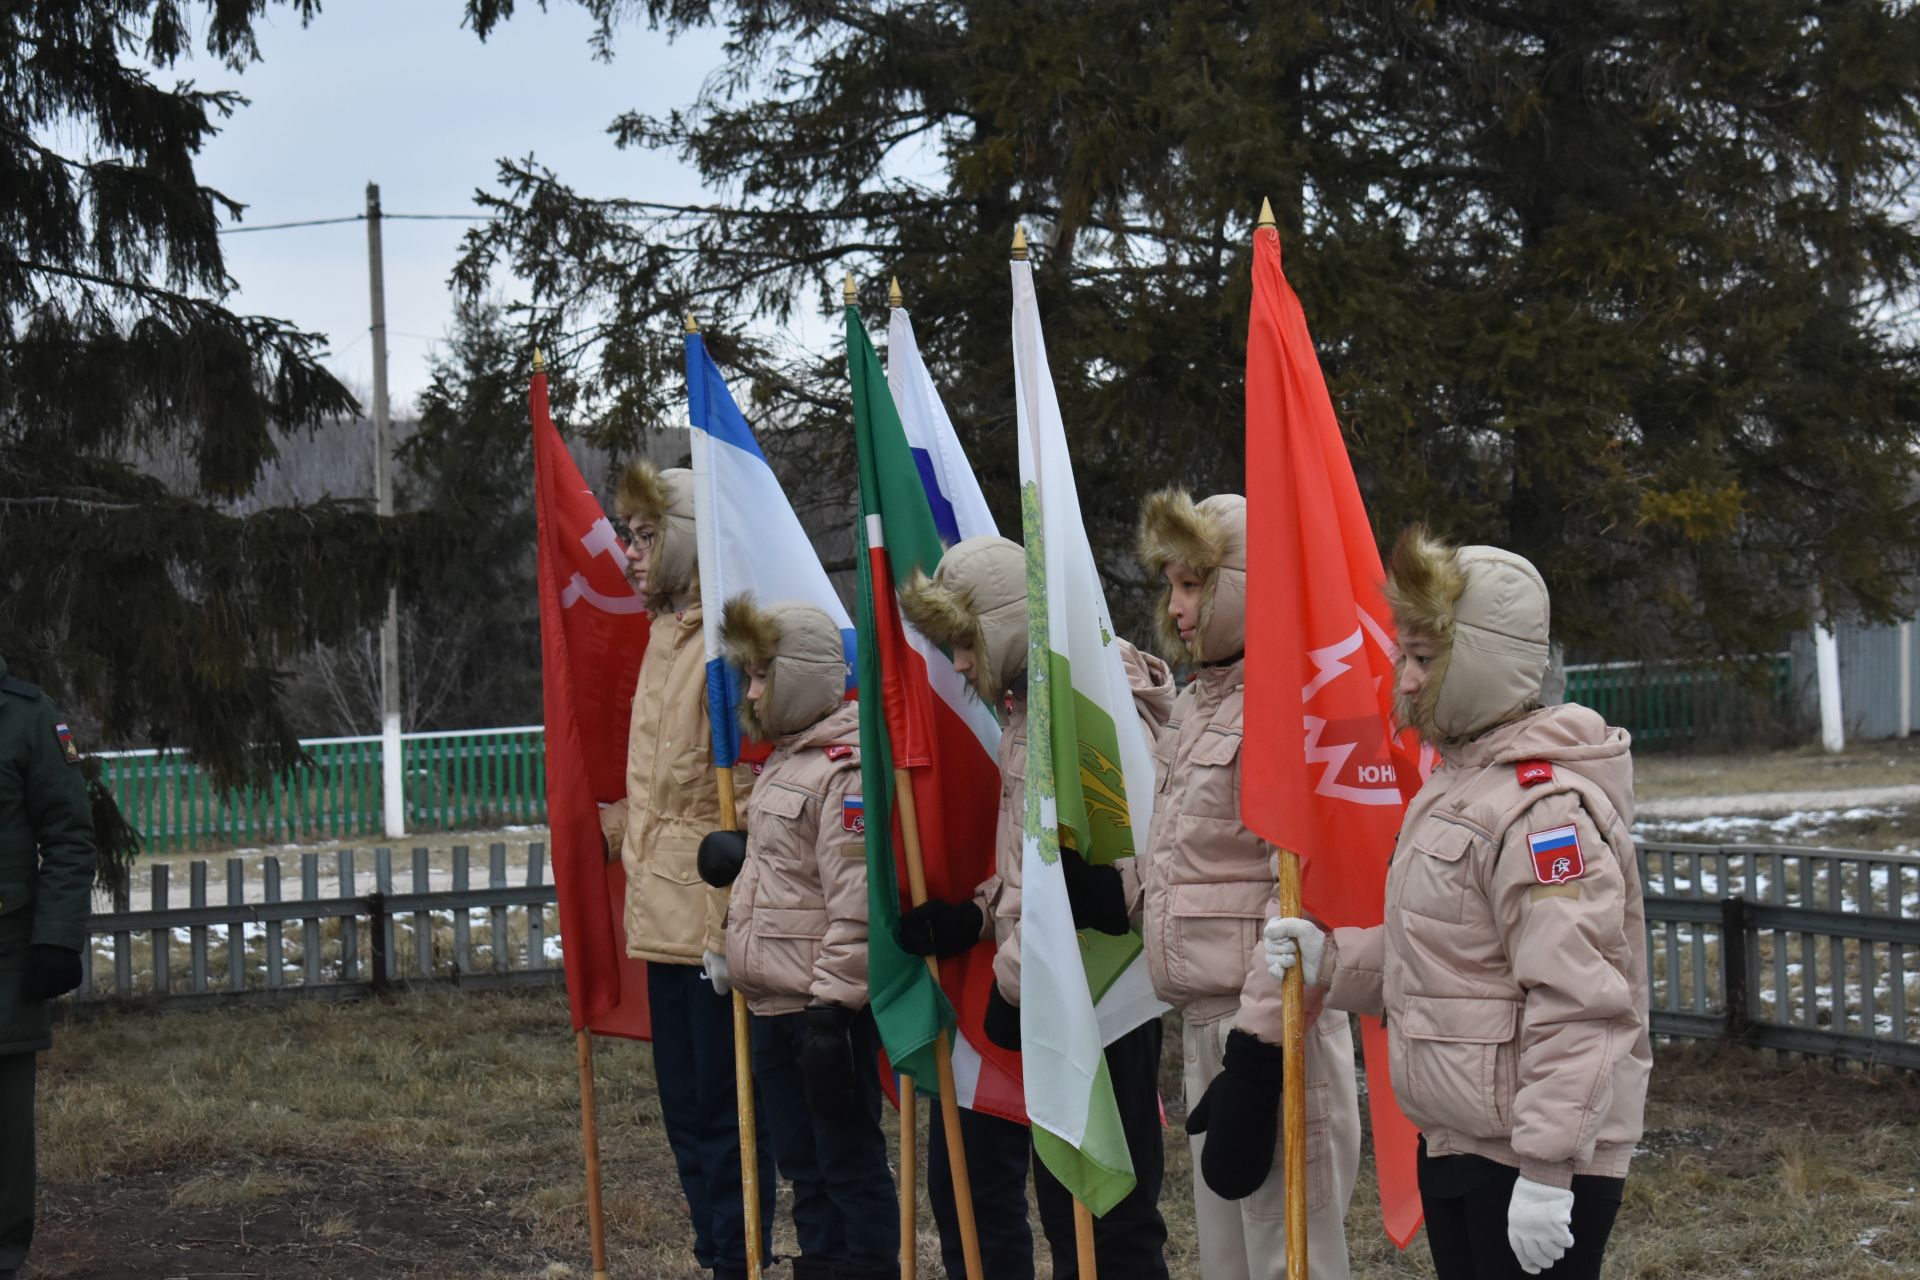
(959, 510)
(749, 538)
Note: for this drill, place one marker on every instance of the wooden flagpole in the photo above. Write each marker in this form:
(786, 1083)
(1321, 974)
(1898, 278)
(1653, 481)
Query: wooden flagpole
(909, 1180)
(1293, 1060)
(743, 1073)
(942, 1054)
(590, 1137)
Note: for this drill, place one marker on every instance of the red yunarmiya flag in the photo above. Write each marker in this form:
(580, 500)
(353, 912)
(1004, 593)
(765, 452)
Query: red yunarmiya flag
(1325, 774)
(593, 633)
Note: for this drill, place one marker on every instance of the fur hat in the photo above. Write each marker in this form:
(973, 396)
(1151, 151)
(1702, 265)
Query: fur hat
(805, 659)
(976, 597)
(665, 498)
(1488, 612)
(1210, 538)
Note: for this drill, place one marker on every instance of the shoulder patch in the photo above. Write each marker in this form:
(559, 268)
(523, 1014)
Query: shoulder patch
(838, 751)
(853, 815)
(19, 688)
(1531, 773)
(64, 736)
(1556, 854)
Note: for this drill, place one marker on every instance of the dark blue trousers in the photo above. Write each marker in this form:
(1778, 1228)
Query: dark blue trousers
(693, 1065)
(845, 1210)
(997, 1154)
(16, 1157)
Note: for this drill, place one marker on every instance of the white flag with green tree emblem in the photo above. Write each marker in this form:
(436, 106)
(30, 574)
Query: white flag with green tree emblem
(1089, 786)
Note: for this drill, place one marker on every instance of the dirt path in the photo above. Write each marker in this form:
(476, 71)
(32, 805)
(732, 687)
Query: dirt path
(1776, 802)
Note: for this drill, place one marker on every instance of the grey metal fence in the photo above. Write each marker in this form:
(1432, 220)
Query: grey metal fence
(330, 940)
(1828, 961)
(1828, 954)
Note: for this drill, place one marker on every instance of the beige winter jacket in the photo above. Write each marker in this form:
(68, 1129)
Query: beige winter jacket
(1207, 881)
(672, 800)
(797, 926)
(1514, 985)
(1512, 966)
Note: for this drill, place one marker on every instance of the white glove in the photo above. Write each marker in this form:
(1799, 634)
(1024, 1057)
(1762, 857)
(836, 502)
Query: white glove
(716, 963)
(1291, 940)
(1539, 1224)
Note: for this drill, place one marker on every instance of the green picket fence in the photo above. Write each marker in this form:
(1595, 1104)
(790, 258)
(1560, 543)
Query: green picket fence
(475, 779)
(1673, 705)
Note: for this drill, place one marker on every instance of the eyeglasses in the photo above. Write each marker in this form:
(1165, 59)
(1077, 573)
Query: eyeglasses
(644, 538)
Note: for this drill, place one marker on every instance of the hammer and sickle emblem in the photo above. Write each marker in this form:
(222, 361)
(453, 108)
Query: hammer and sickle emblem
(600, 540)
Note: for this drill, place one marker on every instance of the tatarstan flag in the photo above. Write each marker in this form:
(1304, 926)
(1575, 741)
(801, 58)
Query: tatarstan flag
(916, 715)
(1325, 774)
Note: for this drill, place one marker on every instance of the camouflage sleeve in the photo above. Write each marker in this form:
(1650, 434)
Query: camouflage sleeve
(62, 818)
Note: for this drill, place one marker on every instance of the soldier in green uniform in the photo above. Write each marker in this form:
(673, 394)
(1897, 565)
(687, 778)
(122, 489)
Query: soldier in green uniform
(46, 882)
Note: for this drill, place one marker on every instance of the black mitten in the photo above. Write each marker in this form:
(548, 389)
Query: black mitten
(1003, 1021)
(721, 855)
(1097, 895)
(51, 971)
(936, 928)
(1238, 1153)
(826, 1062)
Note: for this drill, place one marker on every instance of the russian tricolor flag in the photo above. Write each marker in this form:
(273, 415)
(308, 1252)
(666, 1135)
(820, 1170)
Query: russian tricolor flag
(749, 538)
(953, 491)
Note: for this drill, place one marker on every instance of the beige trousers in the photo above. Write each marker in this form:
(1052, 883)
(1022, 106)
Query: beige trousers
(1247, 1239)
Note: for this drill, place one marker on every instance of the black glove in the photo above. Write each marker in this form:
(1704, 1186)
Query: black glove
(51, 971)
(1238, 1153)
(827, 1063)
(1097, 895)
(936, 928)
(722, 854)
(1003, 1020)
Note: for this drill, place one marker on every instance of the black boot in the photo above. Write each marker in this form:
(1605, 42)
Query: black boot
(812, 1269)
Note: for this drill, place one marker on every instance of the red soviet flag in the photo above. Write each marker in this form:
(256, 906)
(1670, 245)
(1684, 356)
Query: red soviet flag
(593, 633)
(1325, 775)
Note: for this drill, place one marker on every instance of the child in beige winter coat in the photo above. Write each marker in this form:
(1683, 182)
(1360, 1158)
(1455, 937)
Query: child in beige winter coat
(976, 606)
(1207, 883)
(797, 939)
(1511, 969)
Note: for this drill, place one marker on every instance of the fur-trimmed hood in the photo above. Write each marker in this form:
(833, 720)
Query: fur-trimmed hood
(805, 657)
(1210, 538)
(978, 597)
(1489, 612)
(666, 498)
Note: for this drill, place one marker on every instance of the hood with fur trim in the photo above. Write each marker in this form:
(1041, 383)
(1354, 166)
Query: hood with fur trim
(977, 596)
(1210, 538)
(805, 657)
(1489, 612)
(666, 498)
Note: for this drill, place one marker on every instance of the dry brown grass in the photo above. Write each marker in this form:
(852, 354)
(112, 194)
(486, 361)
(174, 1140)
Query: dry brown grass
(437, 1134)
(1891, 763)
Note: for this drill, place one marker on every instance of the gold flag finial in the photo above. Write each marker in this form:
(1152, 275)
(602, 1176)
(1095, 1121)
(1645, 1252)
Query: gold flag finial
(1266, 213)
(693, 326)
(847, 291)
(894, 296)
(539, 365)
(1019, 243)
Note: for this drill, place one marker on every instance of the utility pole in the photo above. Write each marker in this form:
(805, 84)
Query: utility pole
(392, 780)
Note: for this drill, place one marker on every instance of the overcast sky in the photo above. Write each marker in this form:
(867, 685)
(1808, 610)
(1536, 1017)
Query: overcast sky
(399, 93)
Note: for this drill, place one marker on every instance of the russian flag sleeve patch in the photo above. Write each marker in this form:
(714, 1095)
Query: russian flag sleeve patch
(853, 816)
(1556, 854)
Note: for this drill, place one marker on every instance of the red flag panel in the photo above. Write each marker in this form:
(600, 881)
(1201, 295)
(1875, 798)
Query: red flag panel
(593, 633)
(1325, 774)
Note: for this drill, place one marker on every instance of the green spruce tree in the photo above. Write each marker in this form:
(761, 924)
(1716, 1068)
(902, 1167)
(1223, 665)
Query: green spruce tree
(1624, 285)
(153, 611)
